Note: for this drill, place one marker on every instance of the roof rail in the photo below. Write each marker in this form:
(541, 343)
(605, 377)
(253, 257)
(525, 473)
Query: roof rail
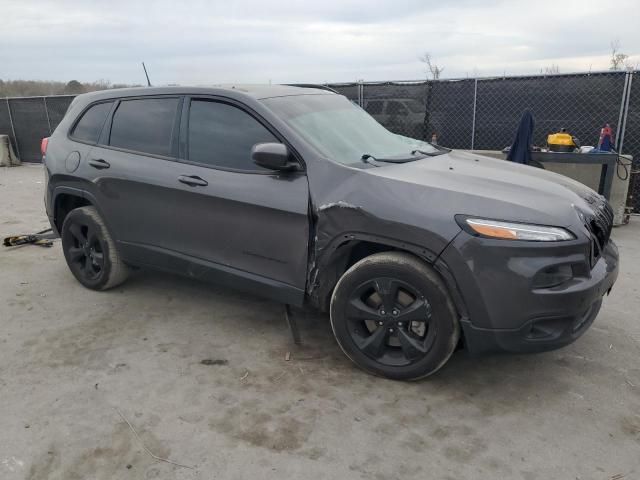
(313, 85)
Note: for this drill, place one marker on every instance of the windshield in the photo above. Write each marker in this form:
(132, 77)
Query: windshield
(344, 132)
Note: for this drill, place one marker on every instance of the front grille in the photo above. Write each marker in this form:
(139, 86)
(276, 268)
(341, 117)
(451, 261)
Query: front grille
(599, 222)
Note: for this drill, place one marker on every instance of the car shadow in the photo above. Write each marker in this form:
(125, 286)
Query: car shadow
(496, 382)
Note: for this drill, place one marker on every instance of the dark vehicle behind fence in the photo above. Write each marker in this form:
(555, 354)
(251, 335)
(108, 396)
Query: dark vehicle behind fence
(298, 195)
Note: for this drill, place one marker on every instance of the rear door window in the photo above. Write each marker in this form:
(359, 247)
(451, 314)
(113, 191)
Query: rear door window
(221, 135)
(145, 125)
(90, 124)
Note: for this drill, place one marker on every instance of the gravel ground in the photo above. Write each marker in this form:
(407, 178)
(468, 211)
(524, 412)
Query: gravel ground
(199, 372)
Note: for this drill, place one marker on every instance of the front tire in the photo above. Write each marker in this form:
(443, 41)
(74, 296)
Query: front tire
(90, 252)
(392, 316)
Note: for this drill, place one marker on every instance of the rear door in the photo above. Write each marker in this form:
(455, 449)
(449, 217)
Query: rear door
(134, 169)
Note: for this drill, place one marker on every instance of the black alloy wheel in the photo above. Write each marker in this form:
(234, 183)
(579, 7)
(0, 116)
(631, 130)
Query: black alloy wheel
(86, 253)
(390, 321)
(90, 251)
(392, 315)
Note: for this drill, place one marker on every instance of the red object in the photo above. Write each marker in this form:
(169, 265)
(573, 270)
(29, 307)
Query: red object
(43, 145)
(605, 134)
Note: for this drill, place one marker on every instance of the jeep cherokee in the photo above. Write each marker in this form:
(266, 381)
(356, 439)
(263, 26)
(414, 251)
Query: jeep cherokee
(298, 195)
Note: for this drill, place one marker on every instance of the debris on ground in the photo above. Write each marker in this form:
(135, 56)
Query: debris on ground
(144, 446)
(216, 361)
(43, 238)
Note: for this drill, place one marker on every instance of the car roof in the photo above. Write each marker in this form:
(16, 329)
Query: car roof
(257, 92)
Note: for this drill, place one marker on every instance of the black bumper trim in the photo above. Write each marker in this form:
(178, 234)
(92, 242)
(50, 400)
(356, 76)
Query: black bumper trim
(538, 335)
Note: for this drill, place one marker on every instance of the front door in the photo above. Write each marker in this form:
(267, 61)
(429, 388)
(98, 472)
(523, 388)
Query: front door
(245, 217)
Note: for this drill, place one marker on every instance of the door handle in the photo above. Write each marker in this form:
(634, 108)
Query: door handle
(193, 180)
(99, 163)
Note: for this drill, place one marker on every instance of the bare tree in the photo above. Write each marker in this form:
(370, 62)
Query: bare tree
(433, 69)
(552, 69)
(619, 60)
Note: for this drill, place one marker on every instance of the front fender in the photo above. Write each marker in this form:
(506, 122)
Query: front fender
(341, 224)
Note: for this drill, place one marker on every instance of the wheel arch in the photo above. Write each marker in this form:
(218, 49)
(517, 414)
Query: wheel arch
(66, 199)
(350, 248)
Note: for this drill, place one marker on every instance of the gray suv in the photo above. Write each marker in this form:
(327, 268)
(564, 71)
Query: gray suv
(300, 196)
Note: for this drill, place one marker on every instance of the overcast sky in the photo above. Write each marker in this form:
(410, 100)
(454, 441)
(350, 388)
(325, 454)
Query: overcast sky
(253, 41)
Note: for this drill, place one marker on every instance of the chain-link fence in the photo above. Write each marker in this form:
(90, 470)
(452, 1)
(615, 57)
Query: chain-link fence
(581, 103)
(484, 113)
(27, 120)
(472, 113)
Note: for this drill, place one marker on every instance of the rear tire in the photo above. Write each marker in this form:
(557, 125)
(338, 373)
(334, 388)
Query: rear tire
(90, 252)
(392, 316)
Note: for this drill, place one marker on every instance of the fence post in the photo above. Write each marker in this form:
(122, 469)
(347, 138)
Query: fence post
(473, 121)
(620, 116)
(626, 113)
(46, 112)
(361, 93)
(13, 130)
(427, 110)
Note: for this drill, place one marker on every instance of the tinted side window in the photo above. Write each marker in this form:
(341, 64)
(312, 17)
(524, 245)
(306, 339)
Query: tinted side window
(221, 135)
(145, 125)
(90, 125)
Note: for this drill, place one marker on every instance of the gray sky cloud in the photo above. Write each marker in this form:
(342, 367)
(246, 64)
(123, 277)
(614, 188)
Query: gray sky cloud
(297, 41)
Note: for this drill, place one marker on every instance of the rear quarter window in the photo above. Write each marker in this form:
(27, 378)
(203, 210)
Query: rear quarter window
(91, 122)
(145, 125)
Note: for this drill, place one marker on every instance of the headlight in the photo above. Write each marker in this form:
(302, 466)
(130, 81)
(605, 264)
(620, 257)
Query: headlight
(518, 231)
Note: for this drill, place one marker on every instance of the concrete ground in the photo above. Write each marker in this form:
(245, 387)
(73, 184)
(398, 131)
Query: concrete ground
(200, 374)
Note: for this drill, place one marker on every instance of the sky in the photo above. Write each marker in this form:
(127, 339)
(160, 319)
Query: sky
(253, 41)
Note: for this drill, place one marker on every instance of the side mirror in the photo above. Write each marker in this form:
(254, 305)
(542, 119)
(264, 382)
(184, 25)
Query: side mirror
(274, 156)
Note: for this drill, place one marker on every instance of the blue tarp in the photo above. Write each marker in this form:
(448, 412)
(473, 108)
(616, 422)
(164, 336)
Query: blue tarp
(521, 148)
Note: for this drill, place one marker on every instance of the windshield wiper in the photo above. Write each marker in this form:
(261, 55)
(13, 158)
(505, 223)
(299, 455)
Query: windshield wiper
(430, 154)
(367, 157)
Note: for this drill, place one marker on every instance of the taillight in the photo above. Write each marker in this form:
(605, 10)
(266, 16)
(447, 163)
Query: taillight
(43, 145)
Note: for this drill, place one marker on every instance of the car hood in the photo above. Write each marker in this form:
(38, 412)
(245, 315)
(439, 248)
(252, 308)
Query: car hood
(466, 183)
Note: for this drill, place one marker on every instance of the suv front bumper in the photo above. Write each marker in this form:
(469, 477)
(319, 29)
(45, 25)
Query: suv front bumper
(505, 312)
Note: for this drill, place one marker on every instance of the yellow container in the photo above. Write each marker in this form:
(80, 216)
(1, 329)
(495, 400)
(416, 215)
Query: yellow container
(561, 142)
